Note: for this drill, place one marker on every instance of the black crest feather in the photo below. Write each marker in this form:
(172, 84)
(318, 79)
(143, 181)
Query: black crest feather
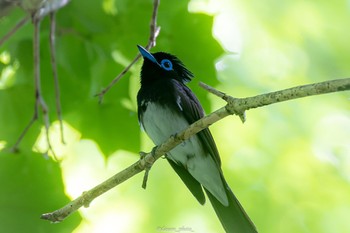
(154, 71)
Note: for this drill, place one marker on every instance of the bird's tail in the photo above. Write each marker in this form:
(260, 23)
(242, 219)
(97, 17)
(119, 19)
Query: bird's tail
(232, 217)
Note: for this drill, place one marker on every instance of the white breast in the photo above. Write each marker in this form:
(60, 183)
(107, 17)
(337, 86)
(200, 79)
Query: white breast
(160, 123)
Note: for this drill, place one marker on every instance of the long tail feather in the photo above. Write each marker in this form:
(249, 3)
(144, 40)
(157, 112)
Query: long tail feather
(232, 217)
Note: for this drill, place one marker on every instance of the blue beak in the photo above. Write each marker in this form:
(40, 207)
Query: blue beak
(146, 54)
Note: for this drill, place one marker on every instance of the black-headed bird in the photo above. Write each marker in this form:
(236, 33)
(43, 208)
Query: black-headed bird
(167, 106)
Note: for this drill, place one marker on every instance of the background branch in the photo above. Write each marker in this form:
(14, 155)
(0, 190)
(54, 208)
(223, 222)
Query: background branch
(36, 12)
(54, 72)
(234, 106)
(39, 100)
(154, 32)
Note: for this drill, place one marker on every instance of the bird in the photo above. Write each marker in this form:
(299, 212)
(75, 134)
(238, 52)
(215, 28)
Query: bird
(166, 106)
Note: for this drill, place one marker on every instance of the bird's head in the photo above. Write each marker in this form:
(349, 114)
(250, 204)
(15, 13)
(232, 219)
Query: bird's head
(162, 66)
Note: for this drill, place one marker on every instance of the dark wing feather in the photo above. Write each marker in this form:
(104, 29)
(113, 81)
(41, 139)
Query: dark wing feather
(192, 184)
(193, 111)
(233, 217)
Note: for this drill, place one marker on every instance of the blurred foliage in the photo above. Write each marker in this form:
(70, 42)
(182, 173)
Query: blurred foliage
(288, 164)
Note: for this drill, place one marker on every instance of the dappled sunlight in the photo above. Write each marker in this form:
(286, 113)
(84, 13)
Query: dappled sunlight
(211, 7)
(115, 210)
(226, 28)
(5, 57)
(83, 167)
(193, 220)
(331, 142)
(120, 160)
(339, 219)
(111, 216)
(2, 144)
(7, 75)
(226, 31)
(278, 63)
(291, 159)
(110, 7)
(304, 18)
(71, 136)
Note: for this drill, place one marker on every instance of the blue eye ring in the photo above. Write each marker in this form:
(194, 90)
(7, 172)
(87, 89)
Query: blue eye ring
(166, 64)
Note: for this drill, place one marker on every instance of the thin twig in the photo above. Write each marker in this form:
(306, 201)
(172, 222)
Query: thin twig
(116, 79)
(223, 96)
(36, 13)
(212, 90)
(39, 100)
(54, 72)
(234, 106)
(14, 29)
(15, 147)
(154, 29)
(154, 32)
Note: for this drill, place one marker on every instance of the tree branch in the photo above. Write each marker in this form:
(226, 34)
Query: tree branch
(36, 13)
(39, 100)
(235, 106)
(54, 72)
(154, 32)
(239, 105)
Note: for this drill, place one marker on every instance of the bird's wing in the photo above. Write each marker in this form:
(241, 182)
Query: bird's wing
(193, 111)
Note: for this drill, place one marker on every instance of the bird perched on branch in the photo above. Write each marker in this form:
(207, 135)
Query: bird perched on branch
(167, 106)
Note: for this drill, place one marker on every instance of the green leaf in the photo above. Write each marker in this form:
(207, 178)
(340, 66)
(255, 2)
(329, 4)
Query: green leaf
(30, 186)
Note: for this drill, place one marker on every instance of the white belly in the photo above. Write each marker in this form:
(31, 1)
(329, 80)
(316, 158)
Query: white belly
(160, 123)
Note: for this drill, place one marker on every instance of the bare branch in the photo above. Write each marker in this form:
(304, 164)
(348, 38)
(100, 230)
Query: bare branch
(54, 71)
(154, 32)
(116, 79)
(234, 106)
(212, 90)
(239, 105)
(154, 29)
(15, 147)
(37, 11)
(39, 100)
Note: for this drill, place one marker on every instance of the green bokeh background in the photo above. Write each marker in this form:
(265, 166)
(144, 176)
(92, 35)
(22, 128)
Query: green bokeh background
(288, 164)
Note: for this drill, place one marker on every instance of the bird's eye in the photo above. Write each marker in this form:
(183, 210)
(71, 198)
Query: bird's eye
(166, 64)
